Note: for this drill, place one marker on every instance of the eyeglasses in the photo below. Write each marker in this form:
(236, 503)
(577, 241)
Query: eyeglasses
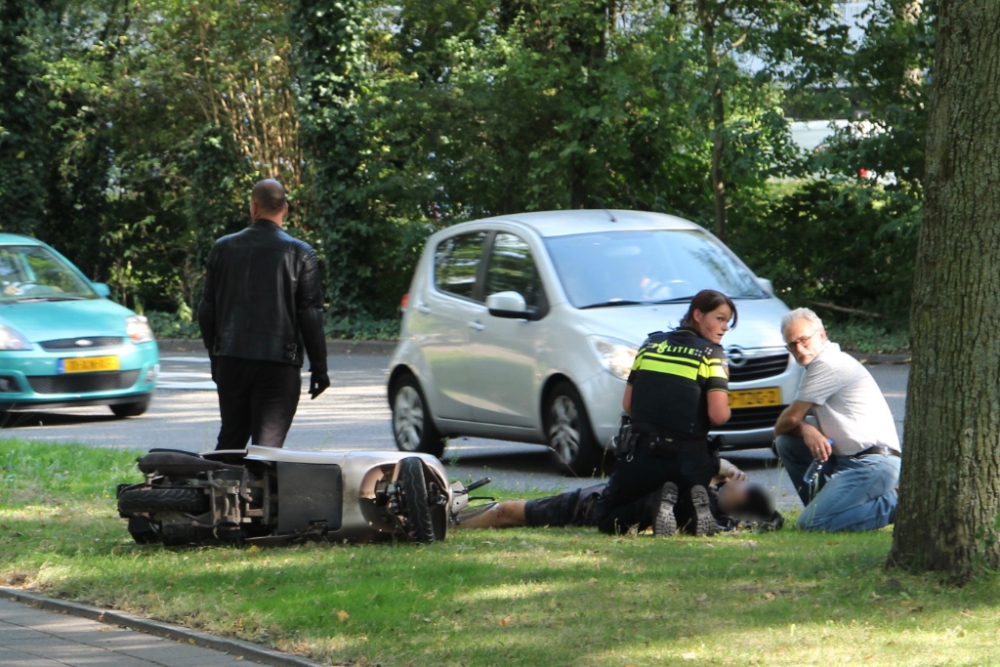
(800, 341)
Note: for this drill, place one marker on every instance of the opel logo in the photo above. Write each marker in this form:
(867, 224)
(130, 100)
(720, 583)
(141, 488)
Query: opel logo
(83, 342)
(736, 356)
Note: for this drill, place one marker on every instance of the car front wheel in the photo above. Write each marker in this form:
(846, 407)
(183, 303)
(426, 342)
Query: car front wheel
(567, 428)
(412, 425)
(123, 410)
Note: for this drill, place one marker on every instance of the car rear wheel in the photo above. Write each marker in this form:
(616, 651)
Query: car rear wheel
(123, 410)
(412, 425)
(567, 428)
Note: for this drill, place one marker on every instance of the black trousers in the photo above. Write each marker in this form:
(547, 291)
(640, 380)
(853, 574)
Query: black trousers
(257, 401)
(626, 500)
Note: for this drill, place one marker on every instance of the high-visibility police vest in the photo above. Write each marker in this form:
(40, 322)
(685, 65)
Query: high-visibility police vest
(671, 378)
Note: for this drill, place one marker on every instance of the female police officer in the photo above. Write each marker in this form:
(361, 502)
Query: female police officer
(678, 388)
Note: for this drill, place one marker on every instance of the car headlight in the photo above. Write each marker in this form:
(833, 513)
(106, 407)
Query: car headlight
(10, 339)
(615, 355)
(137, 327)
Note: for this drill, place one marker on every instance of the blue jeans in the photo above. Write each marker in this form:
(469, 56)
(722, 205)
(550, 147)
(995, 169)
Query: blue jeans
(853, 493)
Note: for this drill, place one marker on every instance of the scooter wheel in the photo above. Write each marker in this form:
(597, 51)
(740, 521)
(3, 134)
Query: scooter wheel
(413, 486)
(163, 500)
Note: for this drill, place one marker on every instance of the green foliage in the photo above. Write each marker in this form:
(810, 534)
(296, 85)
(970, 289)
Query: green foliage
(130, 133)
(171, 325)
(851, 240)
(358, 327)
(863, 336)
(836, 242)
(362, 328)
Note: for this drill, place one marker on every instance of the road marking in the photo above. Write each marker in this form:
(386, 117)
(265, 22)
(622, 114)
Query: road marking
(195, 381)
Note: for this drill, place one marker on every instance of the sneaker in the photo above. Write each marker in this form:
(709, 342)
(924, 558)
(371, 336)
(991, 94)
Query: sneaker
(704, 521)
(665, 523)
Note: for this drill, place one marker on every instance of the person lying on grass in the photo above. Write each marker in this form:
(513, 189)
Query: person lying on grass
(735, 502)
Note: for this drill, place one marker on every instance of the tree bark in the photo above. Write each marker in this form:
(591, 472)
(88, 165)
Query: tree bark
(950, 484)
(707, 20)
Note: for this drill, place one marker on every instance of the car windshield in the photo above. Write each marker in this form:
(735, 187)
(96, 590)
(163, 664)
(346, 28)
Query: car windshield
(642, 267)
(34, 273)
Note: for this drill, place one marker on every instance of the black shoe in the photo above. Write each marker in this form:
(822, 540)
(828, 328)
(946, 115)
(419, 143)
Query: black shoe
(665, 523)
(704, 521)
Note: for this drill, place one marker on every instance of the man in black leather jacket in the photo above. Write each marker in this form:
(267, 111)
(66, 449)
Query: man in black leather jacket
(263, 306)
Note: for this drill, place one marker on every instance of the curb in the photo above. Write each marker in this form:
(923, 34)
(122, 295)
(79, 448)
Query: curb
(234, 647)
(878, 359)
(333, 347)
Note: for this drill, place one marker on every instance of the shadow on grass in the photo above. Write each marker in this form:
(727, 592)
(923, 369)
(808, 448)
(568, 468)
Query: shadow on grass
(543, 597)
(515, 597)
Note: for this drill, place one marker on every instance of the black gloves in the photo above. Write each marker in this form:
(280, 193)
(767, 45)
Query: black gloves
(318, 383)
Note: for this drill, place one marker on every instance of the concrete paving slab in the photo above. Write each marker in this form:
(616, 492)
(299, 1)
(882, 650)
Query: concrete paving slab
(12, 658)
(31, 637)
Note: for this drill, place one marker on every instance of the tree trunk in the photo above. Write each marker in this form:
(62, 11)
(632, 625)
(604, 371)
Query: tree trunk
(594, 24)
(951, 462)
(707, 20)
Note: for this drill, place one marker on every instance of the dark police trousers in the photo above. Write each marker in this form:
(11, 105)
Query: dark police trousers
(624, 502)
(257, 400)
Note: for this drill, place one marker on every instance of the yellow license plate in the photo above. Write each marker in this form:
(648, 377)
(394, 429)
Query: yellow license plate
(755, 398)
(88, 364)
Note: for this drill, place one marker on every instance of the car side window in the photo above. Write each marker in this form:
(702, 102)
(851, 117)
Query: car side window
(512, 269)
(456, 264)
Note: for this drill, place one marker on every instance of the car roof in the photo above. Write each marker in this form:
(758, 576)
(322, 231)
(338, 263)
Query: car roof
(17, 239)
(584, 221)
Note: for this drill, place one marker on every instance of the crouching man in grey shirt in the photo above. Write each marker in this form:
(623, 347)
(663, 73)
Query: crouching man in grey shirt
(856, 440)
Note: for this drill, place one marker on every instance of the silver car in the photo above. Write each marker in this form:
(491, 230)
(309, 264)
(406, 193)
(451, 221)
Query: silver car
(524, 327)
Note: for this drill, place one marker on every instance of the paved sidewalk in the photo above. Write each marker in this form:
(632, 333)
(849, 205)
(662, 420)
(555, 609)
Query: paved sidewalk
(34, 638)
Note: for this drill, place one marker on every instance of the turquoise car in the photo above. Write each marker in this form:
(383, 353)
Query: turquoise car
(63, 342)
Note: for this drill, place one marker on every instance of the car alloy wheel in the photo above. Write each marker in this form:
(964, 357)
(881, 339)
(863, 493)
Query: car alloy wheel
(408, 419)
(564, 429)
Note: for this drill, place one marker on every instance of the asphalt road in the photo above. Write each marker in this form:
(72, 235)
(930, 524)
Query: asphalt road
(352, 414)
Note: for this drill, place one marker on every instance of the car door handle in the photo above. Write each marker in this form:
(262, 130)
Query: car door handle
(423, 308)
(477, 325)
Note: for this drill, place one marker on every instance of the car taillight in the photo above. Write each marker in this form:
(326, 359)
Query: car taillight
(404, 301)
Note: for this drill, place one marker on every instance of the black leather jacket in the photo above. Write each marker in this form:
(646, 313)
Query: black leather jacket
(263, 298)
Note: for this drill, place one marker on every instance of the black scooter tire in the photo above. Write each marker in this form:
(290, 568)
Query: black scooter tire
(163, 500)
(413, 487)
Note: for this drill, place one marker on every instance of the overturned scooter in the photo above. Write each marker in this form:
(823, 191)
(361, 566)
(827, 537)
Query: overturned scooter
(275, 496)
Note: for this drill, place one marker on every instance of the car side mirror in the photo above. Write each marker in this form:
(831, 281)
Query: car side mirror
(510, 305)
(102, 290)
(767, 285)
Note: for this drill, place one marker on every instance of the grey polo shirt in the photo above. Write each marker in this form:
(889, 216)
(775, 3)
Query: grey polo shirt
(850, 407)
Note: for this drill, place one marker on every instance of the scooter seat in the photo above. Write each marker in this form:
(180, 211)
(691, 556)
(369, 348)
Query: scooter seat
(174, 462)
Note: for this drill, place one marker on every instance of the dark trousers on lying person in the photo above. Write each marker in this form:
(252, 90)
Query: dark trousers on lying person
(579, 508)
(624, 502)
(257, 401)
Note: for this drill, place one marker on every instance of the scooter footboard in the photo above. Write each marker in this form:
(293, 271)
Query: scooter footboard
(310, 495)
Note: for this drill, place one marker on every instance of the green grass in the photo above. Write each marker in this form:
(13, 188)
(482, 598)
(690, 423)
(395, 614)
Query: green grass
(515, 597)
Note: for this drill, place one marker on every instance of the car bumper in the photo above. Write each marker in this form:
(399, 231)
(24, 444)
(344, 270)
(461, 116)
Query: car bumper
(747, 428)
(31, 378)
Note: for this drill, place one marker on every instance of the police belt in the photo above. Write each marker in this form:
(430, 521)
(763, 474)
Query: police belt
(657, 444)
